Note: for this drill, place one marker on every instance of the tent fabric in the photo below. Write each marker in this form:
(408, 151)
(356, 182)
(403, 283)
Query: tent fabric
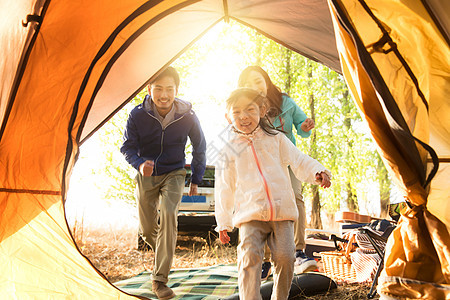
(396, 108)
(12, 41)
(417, 266)
(75, 63)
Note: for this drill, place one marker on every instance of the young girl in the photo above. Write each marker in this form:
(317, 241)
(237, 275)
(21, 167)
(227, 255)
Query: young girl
(253, 192)
(284, 114)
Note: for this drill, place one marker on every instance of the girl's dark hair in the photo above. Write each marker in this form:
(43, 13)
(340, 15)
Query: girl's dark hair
(274, 94)
(259, 99)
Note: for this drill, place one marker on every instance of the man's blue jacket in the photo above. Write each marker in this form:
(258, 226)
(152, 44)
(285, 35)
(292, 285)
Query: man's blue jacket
(145, 139)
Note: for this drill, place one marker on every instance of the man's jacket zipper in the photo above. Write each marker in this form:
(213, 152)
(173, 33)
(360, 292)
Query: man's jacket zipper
(163, 130)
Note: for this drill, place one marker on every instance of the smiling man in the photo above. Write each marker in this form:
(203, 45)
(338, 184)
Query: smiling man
(154, 144)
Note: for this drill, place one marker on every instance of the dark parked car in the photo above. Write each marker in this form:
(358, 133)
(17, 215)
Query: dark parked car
(196, 213)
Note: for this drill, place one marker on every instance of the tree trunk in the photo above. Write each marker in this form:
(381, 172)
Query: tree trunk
(287, 58)
(352, 200)
(258, 50)
(385, 188)
(316, 221)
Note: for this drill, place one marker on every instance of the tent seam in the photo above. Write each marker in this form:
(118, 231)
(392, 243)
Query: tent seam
(225, 11)
(436, 21)
(389, 104)
(108, 67)
(26, 191)
(396, 51)
(283, 44)
(427, 147)
(23, 62)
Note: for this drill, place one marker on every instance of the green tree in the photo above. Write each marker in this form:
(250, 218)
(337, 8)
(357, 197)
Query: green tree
(119, 184)
(352, 201)
(384, 183)
(316, 220)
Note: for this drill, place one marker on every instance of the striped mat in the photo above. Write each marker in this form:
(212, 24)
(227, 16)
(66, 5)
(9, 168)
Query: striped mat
(213, 282)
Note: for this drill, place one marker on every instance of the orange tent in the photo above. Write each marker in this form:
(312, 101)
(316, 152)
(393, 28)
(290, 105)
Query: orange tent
(68, 66)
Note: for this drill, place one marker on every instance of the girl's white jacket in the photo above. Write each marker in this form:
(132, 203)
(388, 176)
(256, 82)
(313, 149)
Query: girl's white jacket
(252, 180)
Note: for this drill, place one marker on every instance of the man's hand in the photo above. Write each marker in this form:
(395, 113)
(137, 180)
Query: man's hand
(224, 237)
(307, 125)
(193, 189)
(146, 168)
(325, 181)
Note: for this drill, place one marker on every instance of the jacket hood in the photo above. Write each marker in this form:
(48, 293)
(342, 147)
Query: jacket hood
(286, 105)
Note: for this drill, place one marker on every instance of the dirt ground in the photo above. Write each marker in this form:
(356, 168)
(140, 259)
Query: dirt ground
(115, 254)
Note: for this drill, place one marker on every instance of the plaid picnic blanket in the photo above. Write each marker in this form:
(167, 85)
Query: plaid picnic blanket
(213, 282)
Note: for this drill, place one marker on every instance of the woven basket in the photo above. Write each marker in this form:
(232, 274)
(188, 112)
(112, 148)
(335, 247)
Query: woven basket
(338, 267)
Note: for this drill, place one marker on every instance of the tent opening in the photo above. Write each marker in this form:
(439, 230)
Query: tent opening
(101, 194)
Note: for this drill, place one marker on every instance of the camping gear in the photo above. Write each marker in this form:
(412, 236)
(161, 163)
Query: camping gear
(395, 210)
(359, 254)
(351, 217)
(314, 246)
(378, 243)
(68, 66)
(338, 267)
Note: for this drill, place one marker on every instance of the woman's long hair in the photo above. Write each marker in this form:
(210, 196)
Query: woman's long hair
(274, 94)
(259, 100)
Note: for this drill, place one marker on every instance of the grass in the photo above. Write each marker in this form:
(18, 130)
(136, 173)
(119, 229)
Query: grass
(114, 253)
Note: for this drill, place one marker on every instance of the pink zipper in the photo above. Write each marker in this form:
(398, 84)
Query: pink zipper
(266, 186)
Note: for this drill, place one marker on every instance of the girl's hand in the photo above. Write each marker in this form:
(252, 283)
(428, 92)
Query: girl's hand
(325, 181)
(307, 125)
(224, 237)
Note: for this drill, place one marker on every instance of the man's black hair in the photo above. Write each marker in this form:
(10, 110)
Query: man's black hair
(168, 72)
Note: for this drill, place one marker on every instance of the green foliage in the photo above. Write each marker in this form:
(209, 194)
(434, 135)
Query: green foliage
(118, 175)
(384, 183)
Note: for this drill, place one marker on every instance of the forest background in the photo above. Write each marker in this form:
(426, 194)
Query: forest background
(101, 190)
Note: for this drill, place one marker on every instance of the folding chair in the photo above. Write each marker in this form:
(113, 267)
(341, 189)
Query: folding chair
(377, 241)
